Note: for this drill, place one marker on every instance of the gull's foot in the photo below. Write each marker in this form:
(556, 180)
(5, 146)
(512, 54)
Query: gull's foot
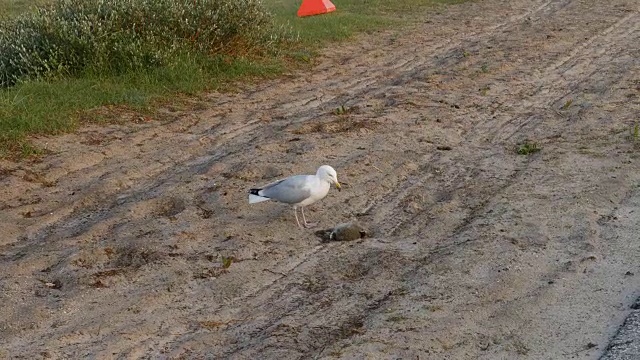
(310, 225)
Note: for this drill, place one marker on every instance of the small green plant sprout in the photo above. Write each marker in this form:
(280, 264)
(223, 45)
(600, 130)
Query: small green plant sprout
(484, 68)
(528, 148)
(227, 261)
(483, 90)
(302, 56)
(635, 133)
(342, 110)
(465, 54)
(566, 104)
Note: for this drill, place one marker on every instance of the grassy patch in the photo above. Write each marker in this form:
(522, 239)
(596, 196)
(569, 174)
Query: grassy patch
(40, 107)
(15, 7)
(60, 104)
(351, 17)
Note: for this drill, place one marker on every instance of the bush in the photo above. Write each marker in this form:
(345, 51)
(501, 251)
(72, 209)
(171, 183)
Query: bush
(107, 37)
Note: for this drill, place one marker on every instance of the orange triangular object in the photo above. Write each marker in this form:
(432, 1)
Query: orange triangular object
(315, 7)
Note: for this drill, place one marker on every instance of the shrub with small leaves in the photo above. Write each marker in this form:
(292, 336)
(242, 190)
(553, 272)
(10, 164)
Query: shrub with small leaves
(107, 37)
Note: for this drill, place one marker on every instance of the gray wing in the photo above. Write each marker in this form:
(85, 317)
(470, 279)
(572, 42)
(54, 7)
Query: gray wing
(291, 190)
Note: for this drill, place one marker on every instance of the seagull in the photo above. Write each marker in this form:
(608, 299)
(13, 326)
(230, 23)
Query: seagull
(298, 190)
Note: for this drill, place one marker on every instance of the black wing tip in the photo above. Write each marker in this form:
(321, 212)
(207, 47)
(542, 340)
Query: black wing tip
(254, 192)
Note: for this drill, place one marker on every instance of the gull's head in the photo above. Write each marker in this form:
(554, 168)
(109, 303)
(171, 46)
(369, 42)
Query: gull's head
(329, 174)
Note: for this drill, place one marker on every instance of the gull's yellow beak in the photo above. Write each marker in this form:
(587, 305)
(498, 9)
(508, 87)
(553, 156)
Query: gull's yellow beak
(338, 186)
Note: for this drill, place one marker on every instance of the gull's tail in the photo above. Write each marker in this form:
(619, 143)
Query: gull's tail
(255, 197)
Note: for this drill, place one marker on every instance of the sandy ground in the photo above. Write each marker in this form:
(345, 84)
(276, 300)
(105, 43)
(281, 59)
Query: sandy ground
(113, 246)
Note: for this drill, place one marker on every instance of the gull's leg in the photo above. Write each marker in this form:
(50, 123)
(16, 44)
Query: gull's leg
(295, 212)
(306, 224)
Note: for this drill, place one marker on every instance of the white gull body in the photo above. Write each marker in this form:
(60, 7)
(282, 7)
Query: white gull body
(298, 190)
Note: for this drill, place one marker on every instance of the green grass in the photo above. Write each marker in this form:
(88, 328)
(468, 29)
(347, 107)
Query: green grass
(351, 17)
(567, 104)
(14, 7)
(57, 107)
(528, 148)
(38, 107)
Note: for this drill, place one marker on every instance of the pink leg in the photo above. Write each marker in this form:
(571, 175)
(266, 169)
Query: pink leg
(295, 212)
(306, 224)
